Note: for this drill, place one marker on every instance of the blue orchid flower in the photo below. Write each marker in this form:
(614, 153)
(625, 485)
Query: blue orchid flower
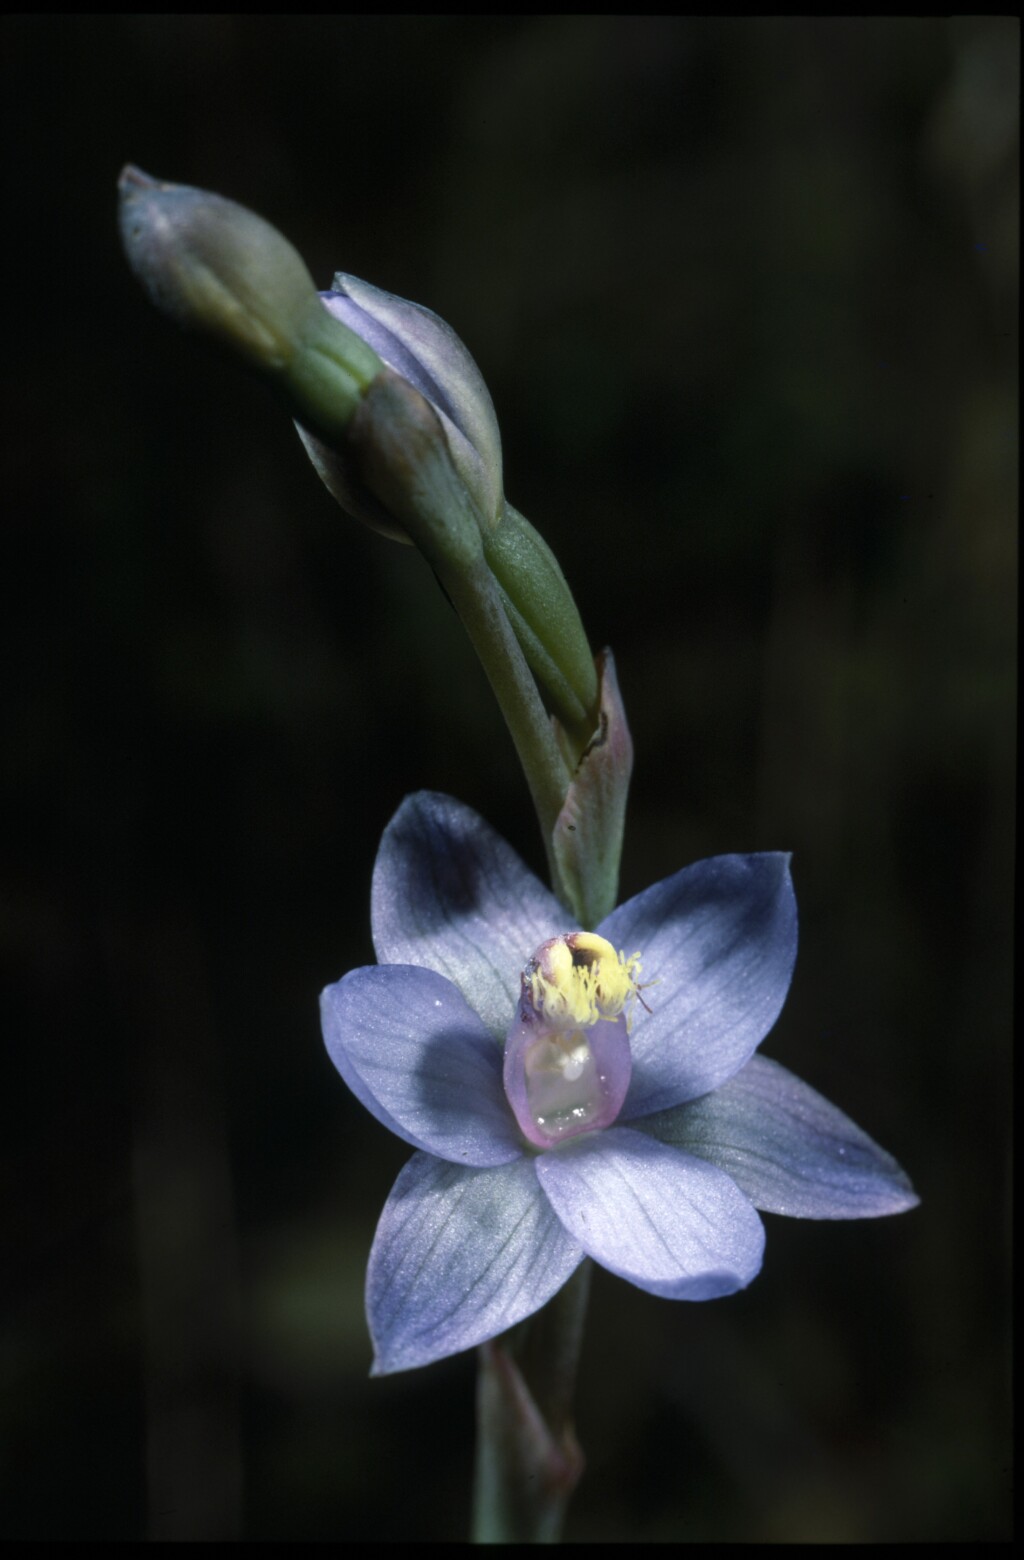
(562, 1106)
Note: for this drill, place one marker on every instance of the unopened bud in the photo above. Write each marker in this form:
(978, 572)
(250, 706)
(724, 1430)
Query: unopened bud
(425, 351)
(221, 270)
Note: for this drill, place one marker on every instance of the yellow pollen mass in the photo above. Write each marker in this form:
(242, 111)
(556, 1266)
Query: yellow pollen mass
(580, 979)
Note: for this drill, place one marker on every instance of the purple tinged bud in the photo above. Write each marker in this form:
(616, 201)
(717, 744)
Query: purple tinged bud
(423, 349)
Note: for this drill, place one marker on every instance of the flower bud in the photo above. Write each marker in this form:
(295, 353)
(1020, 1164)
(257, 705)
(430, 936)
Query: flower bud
(223, 271)
(424, 351)
(418, 345)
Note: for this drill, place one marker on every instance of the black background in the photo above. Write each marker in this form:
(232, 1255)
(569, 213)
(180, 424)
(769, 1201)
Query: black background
(744, 292)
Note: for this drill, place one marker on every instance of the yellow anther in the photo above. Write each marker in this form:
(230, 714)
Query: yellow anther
(580, 979)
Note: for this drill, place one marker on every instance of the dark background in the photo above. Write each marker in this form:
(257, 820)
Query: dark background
(745, 294)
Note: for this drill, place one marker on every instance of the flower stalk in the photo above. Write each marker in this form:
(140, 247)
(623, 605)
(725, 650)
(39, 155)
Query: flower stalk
(528, 1460)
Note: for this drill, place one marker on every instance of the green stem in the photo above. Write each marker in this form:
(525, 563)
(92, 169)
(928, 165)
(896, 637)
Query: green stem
(528, 1461)
(405, 462)
(476, 599)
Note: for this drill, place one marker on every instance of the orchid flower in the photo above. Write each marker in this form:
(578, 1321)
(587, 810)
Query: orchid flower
(577, 1093)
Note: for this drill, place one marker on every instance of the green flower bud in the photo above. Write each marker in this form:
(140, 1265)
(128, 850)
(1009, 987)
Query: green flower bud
(224, 272)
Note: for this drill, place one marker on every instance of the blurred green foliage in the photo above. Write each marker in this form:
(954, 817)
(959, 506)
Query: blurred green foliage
(744, 292)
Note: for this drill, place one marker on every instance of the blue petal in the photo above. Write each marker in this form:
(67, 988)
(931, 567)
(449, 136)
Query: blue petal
(416, 1056)
(460, 1255)
(787, 1147)
(718, 942)
(670, 1223)
(381, 335)
(449, 894)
